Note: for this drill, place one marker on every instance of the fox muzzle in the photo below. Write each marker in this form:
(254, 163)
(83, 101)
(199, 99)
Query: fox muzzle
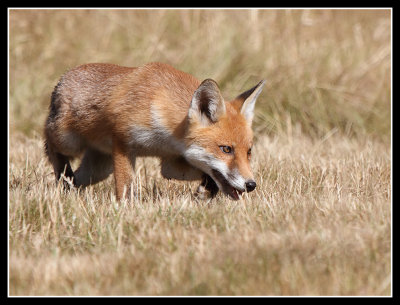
(250, 185)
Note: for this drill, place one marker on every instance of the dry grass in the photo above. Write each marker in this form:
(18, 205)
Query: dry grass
(319, 222)
(324, 68)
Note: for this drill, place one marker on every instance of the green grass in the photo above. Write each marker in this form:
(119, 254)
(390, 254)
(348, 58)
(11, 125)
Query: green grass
(319, 221)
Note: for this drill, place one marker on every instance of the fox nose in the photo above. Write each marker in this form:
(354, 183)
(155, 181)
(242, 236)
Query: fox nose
(250, 185)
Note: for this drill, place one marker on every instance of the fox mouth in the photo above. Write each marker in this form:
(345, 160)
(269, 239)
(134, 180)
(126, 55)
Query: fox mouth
(227, 188)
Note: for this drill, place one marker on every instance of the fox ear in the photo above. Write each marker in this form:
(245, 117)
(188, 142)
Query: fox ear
(207, 104)
(246, 101)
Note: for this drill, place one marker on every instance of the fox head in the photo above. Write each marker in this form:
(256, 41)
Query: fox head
(220, 137)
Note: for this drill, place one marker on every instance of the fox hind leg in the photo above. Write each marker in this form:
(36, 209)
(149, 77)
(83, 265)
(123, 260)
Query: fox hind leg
(60, 164)
(95, 167)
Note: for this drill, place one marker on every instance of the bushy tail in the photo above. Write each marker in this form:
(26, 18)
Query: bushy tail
(59, 161)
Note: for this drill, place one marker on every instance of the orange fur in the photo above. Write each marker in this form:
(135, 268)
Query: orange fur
(121, 112)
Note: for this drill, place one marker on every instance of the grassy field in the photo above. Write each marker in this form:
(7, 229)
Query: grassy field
(319, 221)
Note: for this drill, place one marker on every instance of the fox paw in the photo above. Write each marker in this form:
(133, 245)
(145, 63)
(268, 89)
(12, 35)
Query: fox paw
(202, 193)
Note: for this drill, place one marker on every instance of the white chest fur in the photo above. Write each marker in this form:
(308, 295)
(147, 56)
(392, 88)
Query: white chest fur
(155, 140)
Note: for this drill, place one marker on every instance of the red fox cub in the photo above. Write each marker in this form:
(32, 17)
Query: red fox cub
(113, 114)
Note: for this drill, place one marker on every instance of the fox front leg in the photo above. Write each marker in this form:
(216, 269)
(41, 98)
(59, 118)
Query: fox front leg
(207, 188)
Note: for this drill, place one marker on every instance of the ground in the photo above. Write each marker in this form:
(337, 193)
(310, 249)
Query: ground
(318, 223)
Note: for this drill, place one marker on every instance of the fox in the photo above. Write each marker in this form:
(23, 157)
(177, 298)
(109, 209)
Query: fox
(109, 115)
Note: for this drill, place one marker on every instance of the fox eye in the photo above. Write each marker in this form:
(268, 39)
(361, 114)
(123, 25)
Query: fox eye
(249, 153)
(226, 149)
